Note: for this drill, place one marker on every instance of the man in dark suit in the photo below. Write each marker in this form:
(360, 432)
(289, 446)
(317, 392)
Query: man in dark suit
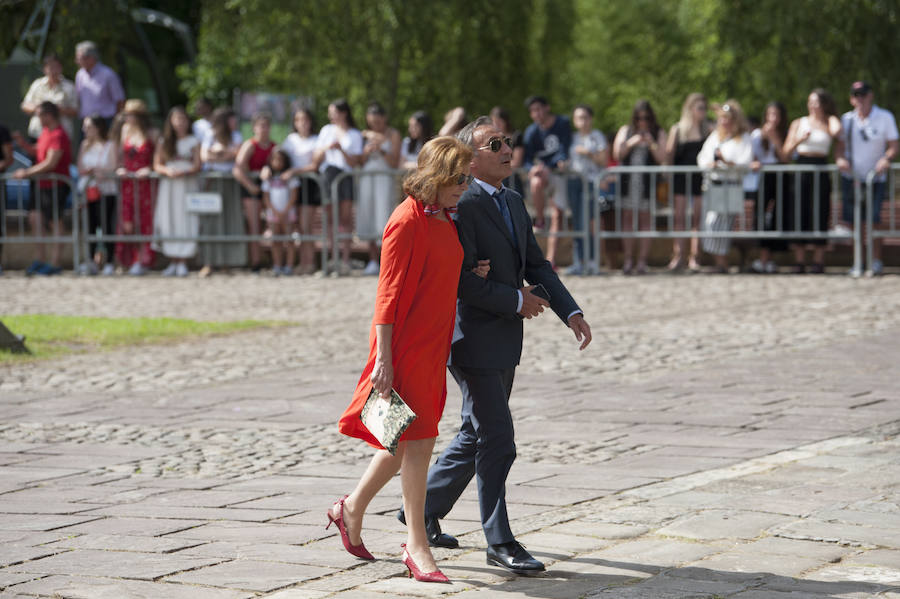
(493, 225)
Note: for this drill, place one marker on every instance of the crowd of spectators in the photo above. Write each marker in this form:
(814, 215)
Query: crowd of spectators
(138, 181)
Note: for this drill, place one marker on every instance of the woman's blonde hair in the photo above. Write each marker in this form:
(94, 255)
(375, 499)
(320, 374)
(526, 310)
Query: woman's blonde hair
(733, 108)
(440, 161)
(686, 122)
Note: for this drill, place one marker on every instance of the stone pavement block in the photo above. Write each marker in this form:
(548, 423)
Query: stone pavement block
(877, 519)
(142, 527)
(215, 498)
(49, 507)
(652, 515)
(738, 560)
(84, 587)
(8, 579)
(15, 554)
(251, 575)
(723, 524)
(89, 562)
(877, 557)
(845, 534)
(600, 530)
(40, 522)
(819, 588)
(135, 450)
(327, 553)
(664, 582)
(651, 554)
(527, 494)
(245, 532)
(861, 573)
(594, 478)
(143, 544)
(569, 544)
(10, 459)
(402, 586)
(299, 593)
(825, 552)
(23, 475)
(191, 513)
(28, 538)
(665, 466)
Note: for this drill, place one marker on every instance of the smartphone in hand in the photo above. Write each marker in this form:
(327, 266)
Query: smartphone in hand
(541, 291)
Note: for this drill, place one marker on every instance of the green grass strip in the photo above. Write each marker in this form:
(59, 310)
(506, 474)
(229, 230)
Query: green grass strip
(51, 335)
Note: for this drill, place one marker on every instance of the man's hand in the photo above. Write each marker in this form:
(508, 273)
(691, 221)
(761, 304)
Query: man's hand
(483, 268)
(581, 329)
(20, 173)
(882, 165)
(532, 305)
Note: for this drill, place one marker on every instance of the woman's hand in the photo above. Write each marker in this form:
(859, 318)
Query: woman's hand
(382, 376)
(483, 268)
(143, 172)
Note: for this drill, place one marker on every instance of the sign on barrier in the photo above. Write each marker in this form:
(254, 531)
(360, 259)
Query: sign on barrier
(204, 202)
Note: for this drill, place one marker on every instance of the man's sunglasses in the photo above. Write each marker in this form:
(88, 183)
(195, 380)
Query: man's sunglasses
(496, 143)
(463, 178)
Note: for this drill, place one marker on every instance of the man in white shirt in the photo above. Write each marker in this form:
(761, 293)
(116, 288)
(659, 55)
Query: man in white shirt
(52, 87)
(870, 144)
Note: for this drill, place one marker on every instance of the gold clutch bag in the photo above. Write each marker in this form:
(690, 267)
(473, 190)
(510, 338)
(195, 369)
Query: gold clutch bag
(386, 419)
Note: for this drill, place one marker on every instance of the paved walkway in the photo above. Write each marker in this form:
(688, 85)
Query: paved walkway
(722, 437)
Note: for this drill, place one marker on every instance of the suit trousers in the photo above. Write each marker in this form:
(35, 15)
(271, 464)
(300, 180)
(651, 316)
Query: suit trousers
(484, 447)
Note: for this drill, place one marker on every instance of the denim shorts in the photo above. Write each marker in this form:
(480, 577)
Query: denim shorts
(878, 191)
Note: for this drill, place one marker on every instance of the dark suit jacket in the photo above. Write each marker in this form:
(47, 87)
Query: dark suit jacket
(486, 308)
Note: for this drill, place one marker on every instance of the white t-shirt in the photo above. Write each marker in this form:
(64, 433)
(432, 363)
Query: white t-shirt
(300, 149)
(63, 95)
(866, 139)
(593, 141)
(279, 191)
(200, 128)
(351, 141)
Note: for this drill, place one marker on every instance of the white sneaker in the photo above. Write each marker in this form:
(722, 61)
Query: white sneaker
(576, 269)
(169, 271)
(877, 268)
(181, 270)
(371, 269)
(137, 269)
(87, 269)
(771, 267)
(109, 269)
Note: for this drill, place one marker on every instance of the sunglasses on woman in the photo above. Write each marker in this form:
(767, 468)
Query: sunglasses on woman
(496, 143)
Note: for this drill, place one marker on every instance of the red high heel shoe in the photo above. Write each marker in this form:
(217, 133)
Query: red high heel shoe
(414, 572)
(360, 550)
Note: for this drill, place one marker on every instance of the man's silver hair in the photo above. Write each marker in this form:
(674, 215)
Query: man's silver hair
(467, 133)
(88, 48)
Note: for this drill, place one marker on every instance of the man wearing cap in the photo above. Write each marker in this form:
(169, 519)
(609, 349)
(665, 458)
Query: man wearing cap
(870, 144)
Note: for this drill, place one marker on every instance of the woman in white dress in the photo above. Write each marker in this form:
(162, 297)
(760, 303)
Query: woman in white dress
(301, 147)
(377, 193)
(177, 161)
(726, 154)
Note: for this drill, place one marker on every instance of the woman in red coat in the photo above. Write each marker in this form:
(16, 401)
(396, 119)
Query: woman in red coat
(415, 309)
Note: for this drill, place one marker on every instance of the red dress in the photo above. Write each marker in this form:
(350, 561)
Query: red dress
(141, 191)
(421, 259)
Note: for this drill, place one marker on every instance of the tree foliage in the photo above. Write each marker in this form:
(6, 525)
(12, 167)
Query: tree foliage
(436, 54)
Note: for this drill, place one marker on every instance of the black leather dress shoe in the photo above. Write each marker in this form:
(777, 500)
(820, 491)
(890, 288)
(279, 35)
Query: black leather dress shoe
(436, 538)
(514, 558)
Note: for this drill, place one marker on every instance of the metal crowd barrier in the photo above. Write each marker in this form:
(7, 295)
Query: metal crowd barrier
(889, 229)
(17, 200)
(221, 183)
(19, 197)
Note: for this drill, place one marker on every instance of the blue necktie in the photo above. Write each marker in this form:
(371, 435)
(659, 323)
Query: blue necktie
(500, 197)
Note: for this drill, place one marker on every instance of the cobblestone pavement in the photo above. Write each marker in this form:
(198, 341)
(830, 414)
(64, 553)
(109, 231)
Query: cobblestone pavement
(723, 437)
